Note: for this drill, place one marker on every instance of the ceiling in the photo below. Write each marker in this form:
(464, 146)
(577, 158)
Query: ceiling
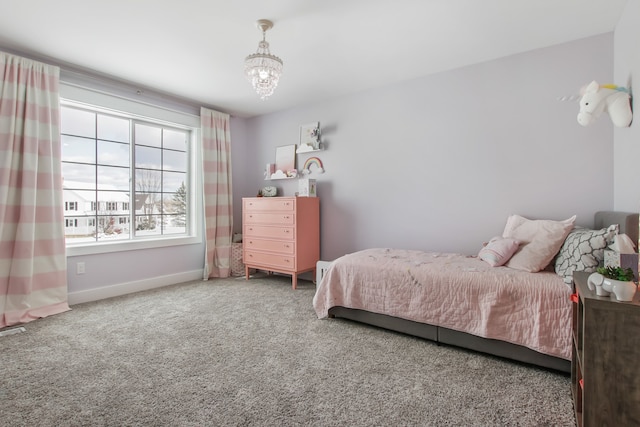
(194, 49)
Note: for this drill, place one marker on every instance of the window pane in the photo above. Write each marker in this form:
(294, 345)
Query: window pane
(173, 181)
(147, 204)
(113, 153)
(175, 203)
(80, 199)
(113, 178)
(79, 176)
(148, 225)
(113, 128)
(175, 139)
(109, 229)
(174, 160)
(98, 167)
(174, 224)
(79, 229)
(78, 122)
(113, 202)
(147, 157)
(148, 135)
(148, 181)
(81, 150)
(171, 205)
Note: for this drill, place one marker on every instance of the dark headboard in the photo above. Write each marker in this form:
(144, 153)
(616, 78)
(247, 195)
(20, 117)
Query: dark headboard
(628, 222)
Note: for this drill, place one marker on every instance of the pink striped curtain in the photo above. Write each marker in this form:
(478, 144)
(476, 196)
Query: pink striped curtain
(218, 198)
(33, 264)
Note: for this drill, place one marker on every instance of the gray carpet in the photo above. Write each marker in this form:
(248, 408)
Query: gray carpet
(231, 352)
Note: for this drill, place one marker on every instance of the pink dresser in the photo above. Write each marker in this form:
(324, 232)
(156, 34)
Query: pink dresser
(281, 234)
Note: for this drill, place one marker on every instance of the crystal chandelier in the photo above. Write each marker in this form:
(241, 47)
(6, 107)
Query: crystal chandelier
(262, 68)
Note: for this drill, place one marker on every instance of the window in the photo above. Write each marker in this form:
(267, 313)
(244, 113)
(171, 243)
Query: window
(126, 178)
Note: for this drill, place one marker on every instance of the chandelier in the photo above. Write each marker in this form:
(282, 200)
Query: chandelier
(262, 68)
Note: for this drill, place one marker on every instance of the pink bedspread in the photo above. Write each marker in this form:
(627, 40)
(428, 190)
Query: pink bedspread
(454, 291)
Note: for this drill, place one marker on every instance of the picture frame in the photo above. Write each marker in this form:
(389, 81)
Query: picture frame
(307, 188)
(309, 137)
(285, 160)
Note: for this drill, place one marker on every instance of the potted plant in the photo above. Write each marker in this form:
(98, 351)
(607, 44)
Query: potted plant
(617, 273)
(618, 280)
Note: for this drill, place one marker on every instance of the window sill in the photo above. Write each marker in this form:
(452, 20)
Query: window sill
(130, 245)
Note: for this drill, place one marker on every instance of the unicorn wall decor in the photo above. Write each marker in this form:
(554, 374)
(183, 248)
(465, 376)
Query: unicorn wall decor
(612, 99)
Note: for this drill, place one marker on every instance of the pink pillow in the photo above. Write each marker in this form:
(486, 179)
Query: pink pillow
(498, 251)
(540, 240)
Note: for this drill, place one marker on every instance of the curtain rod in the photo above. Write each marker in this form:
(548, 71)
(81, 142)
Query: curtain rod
(91, 80)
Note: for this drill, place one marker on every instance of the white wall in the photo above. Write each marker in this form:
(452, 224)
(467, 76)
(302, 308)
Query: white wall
(438, 163)
(627, 140)
(435, 163)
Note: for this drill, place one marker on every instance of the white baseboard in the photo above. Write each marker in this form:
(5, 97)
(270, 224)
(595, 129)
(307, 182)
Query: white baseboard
(130, 287)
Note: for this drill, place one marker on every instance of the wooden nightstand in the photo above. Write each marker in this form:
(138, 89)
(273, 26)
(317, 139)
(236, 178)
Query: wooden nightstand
(605, 367)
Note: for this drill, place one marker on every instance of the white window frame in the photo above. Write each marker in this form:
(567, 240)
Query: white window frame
(81, 97)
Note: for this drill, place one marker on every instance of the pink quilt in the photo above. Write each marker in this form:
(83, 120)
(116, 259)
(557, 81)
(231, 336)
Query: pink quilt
(454, 291)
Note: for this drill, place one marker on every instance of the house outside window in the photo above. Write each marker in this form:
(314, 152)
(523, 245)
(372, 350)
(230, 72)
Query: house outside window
(126, 178)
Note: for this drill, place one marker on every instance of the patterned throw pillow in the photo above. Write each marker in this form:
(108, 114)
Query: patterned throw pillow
(583, 250)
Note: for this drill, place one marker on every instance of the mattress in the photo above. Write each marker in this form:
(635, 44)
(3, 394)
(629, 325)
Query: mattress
(454, 291)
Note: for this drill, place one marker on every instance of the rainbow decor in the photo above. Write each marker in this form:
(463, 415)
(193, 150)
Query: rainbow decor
(312, 161)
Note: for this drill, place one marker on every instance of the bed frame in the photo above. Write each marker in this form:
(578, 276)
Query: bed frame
(628, 224)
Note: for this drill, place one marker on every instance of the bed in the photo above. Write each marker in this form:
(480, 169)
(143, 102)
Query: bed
(465, 301)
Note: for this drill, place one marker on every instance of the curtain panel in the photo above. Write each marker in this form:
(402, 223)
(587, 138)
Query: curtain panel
(33, 279)
(218, 197)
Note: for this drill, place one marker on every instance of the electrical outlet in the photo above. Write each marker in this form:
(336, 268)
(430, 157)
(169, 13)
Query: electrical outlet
(80, 268)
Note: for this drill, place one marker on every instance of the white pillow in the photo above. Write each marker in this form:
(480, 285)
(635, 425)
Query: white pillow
(498, 251)
(540, 240)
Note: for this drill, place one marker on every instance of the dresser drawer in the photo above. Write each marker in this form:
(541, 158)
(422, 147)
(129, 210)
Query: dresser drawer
(269, 204)
(275, 218)
(261, 259)
(283, 247)
(286, 233)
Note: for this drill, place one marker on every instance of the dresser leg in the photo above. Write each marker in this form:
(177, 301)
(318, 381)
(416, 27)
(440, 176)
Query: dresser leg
(246, 272)
(294, 280)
